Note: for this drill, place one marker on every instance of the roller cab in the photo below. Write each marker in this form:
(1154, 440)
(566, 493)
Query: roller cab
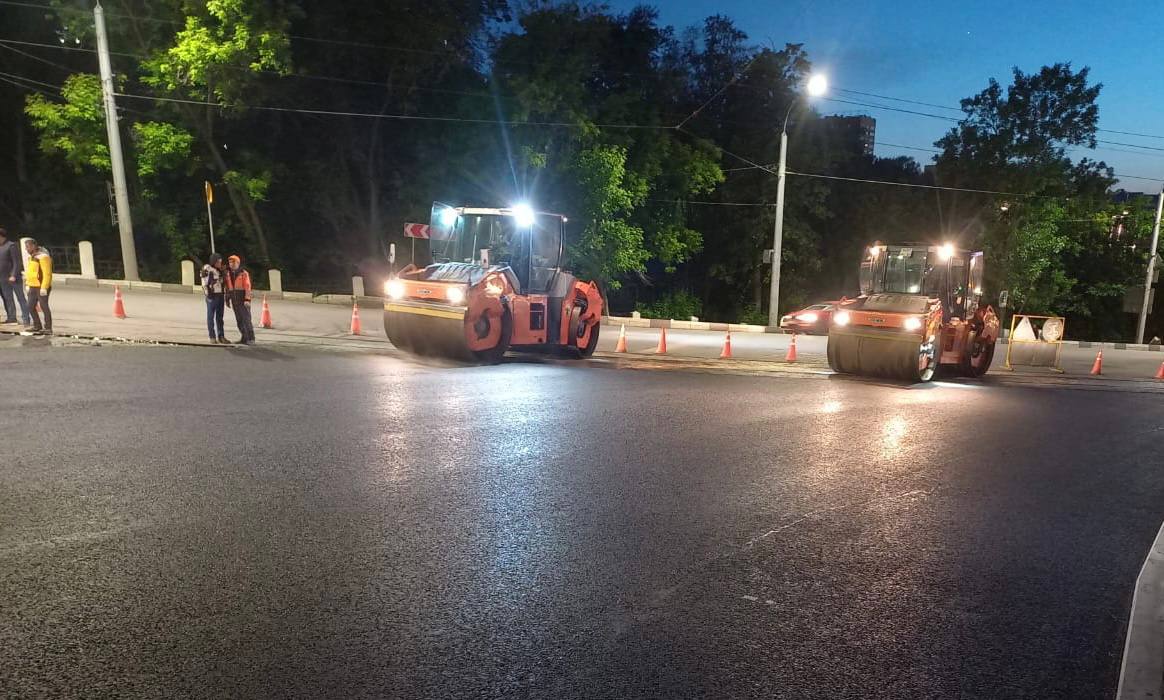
(918, 312)
(495, 285)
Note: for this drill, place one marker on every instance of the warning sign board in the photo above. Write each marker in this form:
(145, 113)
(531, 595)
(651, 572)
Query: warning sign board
(416, 231)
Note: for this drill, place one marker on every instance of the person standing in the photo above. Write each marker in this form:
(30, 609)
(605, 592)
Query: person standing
(214, 284)
(40, 283)
(12, 280)
(238, 282)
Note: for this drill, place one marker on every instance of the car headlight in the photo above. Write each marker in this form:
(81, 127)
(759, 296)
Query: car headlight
(809, 317)
(912, 323)
(842, 318)
(394, 289)
(455, 295)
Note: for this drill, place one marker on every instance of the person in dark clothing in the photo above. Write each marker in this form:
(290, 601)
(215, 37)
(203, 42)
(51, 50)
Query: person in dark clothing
(12, 280)
(214, 284)
(238, 282)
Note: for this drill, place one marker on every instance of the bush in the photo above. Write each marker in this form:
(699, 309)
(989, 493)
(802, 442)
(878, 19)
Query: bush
(754, 316)
(680, 305)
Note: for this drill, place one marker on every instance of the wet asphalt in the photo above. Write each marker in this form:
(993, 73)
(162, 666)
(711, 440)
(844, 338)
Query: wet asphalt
(183, 522)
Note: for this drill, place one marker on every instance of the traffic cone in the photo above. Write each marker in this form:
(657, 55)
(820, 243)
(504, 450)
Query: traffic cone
(118, 303)
(791, 356)
(265, 318)
(662, 349)
(621, 347)
(1097, 368)
(727, 347)
(355, 319)
(1160, 372)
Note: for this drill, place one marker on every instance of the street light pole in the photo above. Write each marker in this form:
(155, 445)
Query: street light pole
(816, 86)
(1151, 269)
(778, 227)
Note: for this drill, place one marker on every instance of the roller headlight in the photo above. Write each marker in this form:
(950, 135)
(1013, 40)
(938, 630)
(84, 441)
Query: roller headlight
(842, 318)
(394, 289)
(913, 323)
(809, 317)
(455, 295)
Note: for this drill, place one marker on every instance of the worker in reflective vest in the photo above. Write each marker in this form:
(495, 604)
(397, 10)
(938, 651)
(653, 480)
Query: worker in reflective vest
(238, 297)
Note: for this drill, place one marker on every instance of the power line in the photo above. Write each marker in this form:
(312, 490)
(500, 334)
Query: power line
(30, 80)
(911, 148)
(1133, 145)
(719, 92)
(910, 184)
(899, 99)
(891, 109)
(397, 117)
(37, 58)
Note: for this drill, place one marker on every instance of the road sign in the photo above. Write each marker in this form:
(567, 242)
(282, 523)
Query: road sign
(416, 231)
(209, 192)
(1003, 298)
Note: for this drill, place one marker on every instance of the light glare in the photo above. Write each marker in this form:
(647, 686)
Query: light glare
(842, 318)
(394, 289)
(523, 214)
(817, 85)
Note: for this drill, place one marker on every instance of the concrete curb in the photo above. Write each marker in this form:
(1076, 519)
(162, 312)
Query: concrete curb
(79, 282)
(1142, 671)
(631, 322)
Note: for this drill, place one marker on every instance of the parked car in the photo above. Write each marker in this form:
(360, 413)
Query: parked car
(813, 319)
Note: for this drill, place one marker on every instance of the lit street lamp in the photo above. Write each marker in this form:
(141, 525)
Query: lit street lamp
(815, 87)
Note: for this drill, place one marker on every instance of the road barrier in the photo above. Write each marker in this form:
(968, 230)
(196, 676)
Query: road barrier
(1035, 341)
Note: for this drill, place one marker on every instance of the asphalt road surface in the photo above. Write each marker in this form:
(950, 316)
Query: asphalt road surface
(185, 522)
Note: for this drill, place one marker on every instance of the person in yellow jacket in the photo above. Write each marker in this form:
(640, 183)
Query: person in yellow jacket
(39, 277)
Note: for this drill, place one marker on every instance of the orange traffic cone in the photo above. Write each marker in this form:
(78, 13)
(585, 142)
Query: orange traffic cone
(118, 303)
(621, 347)
(1097, 368)
(265, 318)
(662, 349)
(1160, 372)
(355, 319)
(791, 356)
(727, 347)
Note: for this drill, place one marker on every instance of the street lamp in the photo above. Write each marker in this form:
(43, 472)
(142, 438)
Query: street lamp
(816, 86)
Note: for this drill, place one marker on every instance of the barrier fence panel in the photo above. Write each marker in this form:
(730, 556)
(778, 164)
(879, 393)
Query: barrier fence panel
(1035, 341)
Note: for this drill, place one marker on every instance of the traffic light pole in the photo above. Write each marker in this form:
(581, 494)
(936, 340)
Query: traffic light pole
(120, 194)
(1151, 269)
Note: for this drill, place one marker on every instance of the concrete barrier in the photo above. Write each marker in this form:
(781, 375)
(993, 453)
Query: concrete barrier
(88, 267)
(275, 282)
(358, 286)
(188, 273)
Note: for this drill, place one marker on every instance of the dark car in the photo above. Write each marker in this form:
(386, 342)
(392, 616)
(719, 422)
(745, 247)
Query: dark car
(811, 319)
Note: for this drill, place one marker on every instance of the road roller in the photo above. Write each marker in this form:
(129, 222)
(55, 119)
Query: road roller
(495, 284)
(918, 312)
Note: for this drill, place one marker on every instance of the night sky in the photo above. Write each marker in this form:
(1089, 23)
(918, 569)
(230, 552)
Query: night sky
(941, 52)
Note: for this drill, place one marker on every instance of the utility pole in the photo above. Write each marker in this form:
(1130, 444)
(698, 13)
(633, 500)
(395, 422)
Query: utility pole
(121, 195)
(778, 229)
(1151, 269)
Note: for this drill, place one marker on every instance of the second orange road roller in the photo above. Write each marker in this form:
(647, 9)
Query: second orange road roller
(496, 284)
(919, 310)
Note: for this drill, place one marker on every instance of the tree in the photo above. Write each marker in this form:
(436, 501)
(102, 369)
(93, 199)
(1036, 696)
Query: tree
(1049, 245)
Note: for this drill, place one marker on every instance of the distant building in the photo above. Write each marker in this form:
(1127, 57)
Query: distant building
(858, 133)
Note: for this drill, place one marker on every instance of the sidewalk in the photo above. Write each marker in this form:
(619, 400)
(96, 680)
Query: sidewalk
(156, 316)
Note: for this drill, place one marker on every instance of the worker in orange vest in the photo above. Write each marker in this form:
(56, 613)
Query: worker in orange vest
(238, 297)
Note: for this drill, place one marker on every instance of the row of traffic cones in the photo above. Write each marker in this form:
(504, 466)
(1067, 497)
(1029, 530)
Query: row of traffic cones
(1097, 367)
(725, 354)
(264, 317)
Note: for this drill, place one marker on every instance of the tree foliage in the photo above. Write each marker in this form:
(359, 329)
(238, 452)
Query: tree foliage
(648, 137)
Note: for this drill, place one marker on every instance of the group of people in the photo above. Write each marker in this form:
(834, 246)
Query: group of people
(227, 285)
(14, 278)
